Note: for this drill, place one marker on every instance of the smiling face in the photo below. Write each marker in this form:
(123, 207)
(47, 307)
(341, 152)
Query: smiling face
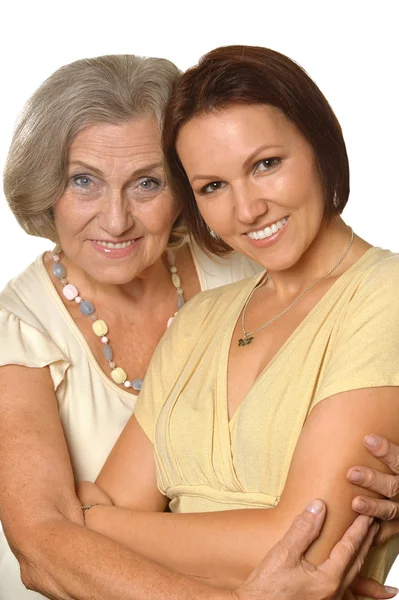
(115, 216)
(255, 180)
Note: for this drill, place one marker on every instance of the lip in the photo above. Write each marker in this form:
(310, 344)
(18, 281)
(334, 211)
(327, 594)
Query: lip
(271, 239)
(267, 225)
(115, 252)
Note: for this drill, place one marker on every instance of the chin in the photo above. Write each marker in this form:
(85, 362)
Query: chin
(112, 276)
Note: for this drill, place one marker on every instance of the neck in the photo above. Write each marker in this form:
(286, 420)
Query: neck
(326, 249)
(150, 283)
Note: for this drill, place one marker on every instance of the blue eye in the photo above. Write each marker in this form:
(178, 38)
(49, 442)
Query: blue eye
(267, 164)
(149, 184)
(82, 181)
(214, 186)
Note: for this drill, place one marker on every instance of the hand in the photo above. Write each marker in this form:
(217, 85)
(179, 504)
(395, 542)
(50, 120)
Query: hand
(385, 484)
(285, 574)
(90, 493)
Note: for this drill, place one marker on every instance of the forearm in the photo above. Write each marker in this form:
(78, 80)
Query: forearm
(67, 561)
(220, 547)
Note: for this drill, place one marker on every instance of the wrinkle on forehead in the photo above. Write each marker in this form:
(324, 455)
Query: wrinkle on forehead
(134, 141)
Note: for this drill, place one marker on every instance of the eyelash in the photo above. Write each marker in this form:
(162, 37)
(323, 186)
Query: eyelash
(152, 180)
(275, 160)
(76, 178)
(156, 183)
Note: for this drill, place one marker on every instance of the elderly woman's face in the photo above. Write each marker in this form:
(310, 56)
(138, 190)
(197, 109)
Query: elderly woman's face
(256, 182)
(116, 214)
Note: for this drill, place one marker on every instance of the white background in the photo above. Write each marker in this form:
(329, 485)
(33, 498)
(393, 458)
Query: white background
(350, 48)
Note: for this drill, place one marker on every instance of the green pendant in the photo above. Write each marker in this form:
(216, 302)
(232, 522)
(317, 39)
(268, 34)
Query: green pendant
(245, 341)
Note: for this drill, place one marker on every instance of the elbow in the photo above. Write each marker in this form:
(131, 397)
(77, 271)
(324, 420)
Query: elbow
(35, 552)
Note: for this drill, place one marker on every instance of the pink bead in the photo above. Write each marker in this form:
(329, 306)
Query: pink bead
(170, 321)
(104, 339)
(78, 299)
(70, 291)
(56, 258)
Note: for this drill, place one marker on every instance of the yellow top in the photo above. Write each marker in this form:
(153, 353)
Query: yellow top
(348, 341)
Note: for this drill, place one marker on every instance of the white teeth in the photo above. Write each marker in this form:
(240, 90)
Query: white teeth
(111, 245)
(268, 231)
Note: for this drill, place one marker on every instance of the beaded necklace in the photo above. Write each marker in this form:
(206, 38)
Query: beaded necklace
(100, 328)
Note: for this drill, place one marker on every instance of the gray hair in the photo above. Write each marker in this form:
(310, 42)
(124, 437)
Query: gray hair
(108, 89)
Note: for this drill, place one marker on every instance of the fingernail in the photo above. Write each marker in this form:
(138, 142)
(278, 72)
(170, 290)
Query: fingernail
(359, 504)
(356, 476)
(371, 441)
(390, 590)
(315, 507)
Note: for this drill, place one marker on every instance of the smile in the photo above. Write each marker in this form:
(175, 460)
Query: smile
(267, 231)
(116, 245)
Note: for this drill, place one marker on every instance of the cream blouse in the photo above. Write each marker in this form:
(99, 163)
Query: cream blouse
(36, 330)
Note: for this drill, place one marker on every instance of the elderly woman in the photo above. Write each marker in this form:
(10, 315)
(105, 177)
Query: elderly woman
(79, 326)
(253, 377)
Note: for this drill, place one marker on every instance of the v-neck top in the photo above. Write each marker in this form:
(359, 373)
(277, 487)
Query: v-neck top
(36, 330)
(348, 341)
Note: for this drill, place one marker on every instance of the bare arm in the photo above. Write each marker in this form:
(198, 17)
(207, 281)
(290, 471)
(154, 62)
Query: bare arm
(225, 546)
(42, 517)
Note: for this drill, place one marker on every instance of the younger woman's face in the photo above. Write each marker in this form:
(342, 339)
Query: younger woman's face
(255, 180)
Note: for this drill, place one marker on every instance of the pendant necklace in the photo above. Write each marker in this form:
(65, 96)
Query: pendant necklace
(249, 336)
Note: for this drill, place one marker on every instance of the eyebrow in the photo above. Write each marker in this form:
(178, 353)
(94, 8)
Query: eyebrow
(246, 162)
(137, 173)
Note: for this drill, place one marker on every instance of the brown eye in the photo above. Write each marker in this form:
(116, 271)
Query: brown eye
(214, 186)
(267, 164)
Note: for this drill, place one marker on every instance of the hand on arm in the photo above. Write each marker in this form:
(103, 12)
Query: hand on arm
(386, 484)
(223, 547)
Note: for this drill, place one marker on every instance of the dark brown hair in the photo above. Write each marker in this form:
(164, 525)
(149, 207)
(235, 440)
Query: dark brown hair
(234, 75)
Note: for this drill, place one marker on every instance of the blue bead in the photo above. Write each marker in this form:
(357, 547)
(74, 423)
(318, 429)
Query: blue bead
(137, 384)
(86, 308)
(180, 302)
(59, 270)
(108, 353)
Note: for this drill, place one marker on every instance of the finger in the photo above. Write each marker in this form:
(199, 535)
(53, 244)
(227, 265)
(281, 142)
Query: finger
(386, 485)
(372, 589)
(357, 564)
(289, 550)
(386, 510)
(384, 450)
(304, 530)
(386, 531)
(347, 549)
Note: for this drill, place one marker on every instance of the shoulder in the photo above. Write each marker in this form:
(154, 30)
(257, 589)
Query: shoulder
(377, 277)
(25, 296)
(215, 271)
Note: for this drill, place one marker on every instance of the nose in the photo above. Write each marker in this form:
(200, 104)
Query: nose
(115, 217)
(249, 204)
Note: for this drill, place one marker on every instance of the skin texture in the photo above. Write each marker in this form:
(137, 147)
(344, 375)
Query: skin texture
(240, 187)
(39, 510)
(116, 191)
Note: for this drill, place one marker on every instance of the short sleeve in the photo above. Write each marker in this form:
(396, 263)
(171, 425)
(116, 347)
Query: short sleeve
(22, 344)
(365, 353)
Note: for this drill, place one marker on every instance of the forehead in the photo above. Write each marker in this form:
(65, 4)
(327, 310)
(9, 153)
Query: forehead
(236, 127)
(119, 140)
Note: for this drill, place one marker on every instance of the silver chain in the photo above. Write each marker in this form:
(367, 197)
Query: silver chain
(248, 336)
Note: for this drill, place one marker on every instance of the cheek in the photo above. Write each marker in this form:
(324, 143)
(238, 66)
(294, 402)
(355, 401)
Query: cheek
(71, 217)
(158, 217)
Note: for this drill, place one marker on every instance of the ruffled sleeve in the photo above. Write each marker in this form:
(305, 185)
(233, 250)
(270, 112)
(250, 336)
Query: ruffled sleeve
(24, 345)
